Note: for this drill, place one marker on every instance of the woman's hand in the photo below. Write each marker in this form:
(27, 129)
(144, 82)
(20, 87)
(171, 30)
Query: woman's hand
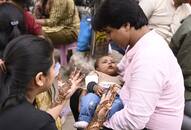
(101, 113)
(75, 79)
(67, 88)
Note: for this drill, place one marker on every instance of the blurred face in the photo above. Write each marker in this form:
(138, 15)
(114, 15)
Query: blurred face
(2, 1)
(120, 36)
(107, 65)
(188, 1)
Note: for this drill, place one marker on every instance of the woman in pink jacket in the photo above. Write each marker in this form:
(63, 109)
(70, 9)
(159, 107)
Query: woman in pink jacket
(153, 92)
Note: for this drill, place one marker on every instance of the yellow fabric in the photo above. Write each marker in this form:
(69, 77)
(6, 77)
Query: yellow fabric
(101, 44)
(63, 14)
(63, 21)
(43, 102)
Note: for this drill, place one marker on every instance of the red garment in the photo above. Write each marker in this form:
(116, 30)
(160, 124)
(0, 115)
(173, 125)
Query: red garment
(31, 25)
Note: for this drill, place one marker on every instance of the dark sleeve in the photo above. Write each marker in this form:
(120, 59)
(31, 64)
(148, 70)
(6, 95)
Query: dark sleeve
(181, 47)
(90, 87)
(183, 57)
(180, 35)
(32, 27)
(49, 126)
(177, 40)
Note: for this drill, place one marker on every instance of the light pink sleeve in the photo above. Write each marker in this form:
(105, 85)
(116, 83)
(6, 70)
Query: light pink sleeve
(144, 89)
(121, 65)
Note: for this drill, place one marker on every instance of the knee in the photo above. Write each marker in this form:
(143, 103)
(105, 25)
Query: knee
(90, 100)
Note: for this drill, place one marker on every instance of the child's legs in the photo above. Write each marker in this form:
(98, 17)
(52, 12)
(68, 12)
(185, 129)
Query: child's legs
(88, 105)
(116, 106)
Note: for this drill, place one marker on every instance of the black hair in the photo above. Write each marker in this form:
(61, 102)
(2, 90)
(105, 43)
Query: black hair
(11, 24)
(179, 2)
(23, 3)
(25, 56)
(116, 13)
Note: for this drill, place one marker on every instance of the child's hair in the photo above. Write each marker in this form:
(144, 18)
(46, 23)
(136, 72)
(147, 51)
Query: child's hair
(24, 57)
(11, 24)
(117, 13)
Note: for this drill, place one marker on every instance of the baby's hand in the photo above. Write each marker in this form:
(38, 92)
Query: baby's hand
(98, 90)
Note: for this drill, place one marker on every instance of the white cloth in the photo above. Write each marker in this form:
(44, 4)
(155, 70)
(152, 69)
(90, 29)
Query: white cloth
(180, 14)
(159, 14)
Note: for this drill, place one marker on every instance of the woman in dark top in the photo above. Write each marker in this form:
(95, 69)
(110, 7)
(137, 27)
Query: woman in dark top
(26, 69)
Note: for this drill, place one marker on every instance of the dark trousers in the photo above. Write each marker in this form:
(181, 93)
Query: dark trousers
(186, 124)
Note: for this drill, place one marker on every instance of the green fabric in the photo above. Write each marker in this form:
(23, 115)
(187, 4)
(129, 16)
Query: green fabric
(181, 47)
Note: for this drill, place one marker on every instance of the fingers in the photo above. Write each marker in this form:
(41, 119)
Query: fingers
(69, 93)
(76, 77)
(103, 98)
(100, 91)
(73, 73)
(77, 74)
(80, 79)
(2, 66)
(99, 94)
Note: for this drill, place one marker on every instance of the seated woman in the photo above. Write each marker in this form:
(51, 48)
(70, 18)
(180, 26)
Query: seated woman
(28, 70)
(62, 24)
(24, 74)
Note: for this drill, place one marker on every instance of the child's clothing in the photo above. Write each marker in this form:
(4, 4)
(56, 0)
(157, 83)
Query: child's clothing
(90, 101)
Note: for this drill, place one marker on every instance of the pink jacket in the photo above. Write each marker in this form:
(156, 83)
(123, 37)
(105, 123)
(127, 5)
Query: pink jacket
(153, 93)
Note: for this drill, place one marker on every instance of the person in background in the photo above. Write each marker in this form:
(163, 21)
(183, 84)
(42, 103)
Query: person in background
(62, 25)
(32, 26)
(183, 10)
(12, 24)
(181, 47)
(159, 14)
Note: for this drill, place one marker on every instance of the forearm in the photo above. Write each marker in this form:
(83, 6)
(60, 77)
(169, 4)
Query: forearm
(55, 111)
(40, 21)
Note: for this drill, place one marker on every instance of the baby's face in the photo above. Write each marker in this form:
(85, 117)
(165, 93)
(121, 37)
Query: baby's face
(107, 65)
